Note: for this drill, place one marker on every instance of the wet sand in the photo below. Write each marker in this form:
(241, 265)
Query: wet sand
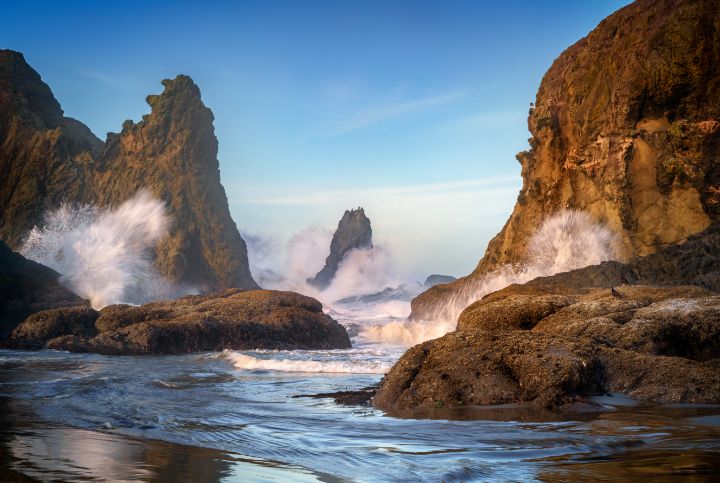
(35, 451)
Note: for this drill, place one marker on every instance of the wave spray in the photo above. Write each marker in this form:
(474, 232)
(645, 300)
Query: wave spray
(105, 256)
(566, 241)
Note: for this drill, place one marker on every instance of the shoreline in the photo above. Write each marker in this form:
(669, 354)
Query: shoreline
(35, 450)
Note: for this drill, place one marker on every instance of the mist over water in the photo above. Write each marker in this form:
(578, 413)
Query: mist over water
(287, 266)
(105, 256)
(372, 299)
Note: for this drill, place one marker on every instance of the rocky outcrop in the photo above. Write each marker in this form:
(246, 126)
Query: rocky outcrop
(233, 319)
(173, 152)
(694, 262)
(433, 280)
(47, 159)
(27, 287)
(658, 344)
(353, 232)
(633, 142)
(557, 339)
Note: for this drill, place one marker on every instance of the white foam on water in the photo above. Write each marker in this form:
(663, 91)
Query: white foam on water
(347, 366)
(407, 332)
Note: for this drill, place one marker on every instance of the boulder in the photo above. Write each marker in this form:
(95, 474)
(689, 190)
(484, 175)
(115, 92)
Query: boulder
(27, 287)
(655, 343)
(557, 339)
(41, 327)
(232, 319)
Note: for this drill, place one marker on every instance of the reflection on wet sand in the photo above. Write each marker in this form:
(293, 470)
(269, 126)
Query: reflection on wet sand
(651, 466)
(30, 452)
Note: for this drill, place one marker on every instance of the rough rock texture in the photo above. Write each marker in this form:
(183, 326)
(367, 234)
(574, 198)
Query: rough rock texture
(552, 347)
(27, 287)
(433, 280)
(626, 127)
(636, 328)
(173, 150)
(47, 159)
(233, 319)
(353, 232)
(41, 327)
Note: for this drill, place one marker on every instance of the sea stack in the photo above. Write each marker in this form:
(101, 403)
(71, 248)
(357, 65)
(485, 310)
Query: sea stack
(353, 232)
(47, 159)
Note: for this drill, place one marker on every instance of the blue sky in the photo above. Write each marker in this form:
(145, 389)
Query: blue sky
(414, 110)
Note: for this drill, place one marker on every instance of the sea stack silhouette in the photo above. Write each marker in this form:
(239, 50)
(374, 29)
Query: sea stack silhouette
(436, 279)
(353, 232)
(47, 159)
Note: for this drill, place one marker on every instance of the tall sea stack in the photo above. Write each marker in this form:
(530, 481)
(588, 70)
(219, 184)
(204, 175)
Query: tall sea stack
(625, 127)
(353, 232)
(47, 159)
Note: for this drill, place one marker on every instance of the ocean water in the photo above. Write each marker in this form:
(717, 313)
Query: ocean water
(242, 415)
(233, 416)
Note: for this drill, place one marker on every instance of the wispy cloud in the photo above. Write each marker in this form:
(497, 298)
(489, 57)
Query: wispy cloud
(322, 197)
(377, 114)
(102, 78)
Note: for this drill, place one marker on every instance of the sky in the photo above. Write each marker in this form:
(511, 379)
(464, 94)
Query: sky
(414, 110)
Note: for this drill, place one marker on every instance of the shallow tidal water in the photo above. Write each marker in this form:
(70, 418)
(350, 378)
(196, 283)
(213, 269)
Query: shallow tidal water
(232, 416)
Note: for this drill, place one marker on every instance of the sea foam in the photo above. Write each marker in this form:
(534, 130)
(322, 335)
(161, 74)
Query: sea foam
(345, 366)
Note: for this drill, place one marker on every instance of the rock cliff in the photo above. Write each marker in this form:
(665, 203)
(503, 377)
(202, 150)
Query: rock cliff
(626, 127)
(47, 159)
(353, 232)
(556, 340)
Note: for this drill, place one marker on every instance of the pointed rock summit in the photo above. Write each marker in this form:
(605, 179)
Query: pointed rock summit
(47, 159)
(353, 232)
(173, 152)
